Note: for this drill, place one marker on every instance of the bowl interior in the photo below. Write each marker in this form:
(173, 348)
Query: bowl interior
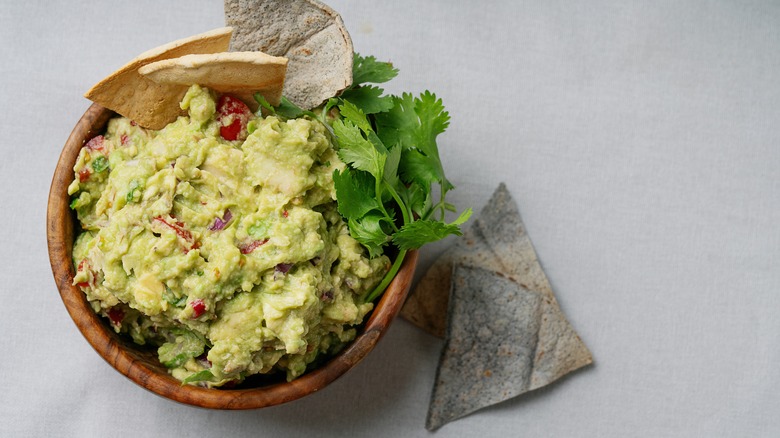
(141, 365)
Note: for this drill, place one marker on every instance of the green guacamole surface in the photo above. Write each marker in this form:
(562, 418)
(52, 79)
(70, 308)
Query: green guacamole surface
(228, 257)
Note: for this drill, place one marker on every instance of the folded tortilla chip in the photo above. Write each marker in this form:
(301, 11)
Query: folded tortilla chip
(308, 33)
(144, 101)
(493, 272)
(487, 357)
(426, 306)
(241, 74)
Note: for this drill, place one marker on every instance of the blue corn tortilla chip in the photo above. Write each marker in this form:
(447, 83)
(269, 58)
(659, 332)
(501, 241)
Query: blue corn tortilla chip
(487, 358)
(492, 261)
(426, 307)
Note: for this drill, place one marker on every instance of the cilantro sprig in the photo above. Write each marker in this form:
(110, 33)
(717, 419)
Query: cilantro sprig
(386, 192)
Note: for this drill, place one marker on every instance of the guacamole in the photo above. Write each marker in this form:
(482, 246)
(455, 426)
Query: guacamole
(219, 244)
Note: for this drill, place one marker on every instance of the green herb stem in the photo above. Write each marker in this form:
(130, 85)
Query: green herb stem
(438, 207)
(443, 213)
(387, 278)
(378, 190)
(404, 209)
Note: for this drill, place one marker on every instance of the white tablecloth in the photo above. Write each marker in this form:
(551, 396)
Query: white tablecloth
(641, 141)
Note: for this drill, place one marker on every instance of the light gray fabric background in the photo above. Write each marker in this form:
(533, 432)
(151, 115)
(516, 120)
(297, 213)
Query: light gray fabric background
(640, 140)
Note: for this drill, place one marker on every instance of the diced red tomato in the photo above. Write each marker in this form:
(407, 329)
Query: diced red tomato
(198, 307)
(178, 227)
(185, 234)
(246, 248)
(84, 174)
(95, 144)
(233, 116)
(116, 315)
(84, 266)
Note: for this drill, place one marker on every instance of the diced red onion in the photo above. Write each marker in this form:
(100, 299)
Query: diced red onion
(283, 267)
(220, 223)
(281, 270)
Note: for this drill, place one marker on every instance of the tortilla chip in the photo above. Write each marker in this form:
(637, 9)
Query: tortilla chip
(560, 349)
(500, 225)
(239, 73)
(308, 33)
(426, 307)
(140, 99)
(486, 358)
(495, 256)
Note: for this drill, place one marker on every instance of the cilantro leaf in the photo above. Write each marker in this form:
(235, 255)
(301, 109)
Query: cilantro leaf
(391, 167)
(263, 104)
(368, 69)
(419, 168)
(418, 199)
(433, 121)
(368, 231)
(397, 125)
(350, 111)
(354, 149)
(358, 187)
(463, 217)
(420, 232)
(289, 110)
(416, 234)
(414, 123)
(200, 376)
(369, 99)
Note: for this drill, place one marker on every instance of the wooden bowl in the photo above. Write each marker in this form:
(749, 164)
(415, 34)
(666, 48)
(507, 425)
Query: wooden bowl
(140, 364)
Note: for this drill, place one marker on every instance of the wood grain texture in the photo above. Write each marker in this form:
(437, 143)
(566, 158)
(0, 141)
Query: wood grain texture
(141, 365)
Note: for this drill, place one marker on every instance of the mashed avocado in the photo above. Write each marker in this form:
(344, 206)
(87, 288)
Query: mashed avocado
(229, 257)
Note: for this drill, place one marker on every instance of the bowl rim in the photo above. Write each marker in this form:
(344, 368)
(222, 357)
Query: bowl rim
(134, 365)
